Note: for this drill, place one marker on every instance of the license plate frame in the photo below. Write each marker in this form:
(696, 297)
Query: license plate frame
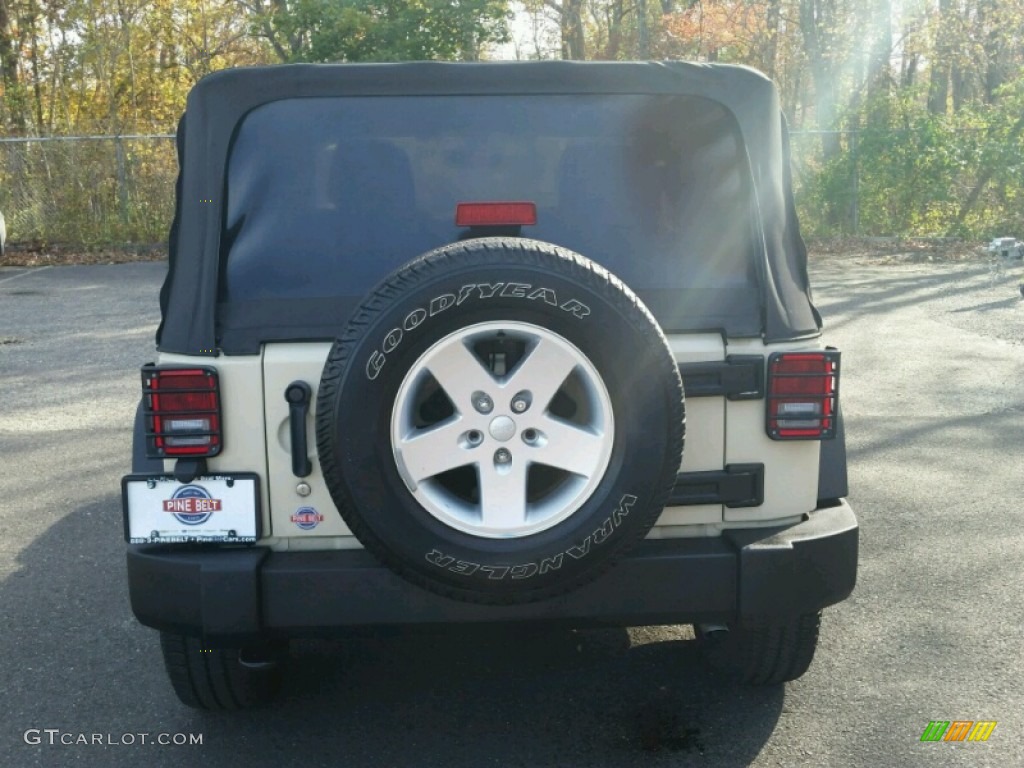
(216, 508)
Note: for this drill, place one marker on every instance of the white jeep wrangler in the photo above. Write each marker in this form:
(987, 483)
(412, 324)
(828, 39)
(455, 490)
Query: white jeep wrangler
(427, 330)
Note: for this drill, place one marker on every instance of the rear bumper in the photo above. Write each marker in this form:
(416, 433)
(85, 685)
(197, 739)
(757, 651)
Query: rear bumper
(743, 577)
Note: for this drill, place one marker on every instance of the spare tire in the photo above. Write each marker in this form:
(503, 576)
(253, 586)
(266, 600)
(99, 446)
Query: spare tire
(500, 420)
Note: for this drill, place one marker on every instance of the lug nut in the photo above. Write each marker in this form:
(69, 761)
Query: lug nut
(482, 402)
(521, 402)
(502, 456)
(475, 437)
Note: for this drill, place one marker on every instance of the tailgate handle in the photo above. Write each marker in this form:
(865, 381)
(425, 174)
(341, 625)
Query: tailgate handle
(298, 395)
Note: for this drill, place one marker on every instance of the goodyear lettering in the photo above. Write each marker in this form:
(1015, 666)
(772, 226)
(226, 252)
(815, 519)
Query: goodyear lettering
(414, 318)
(440, 303)
(394, 337)
(391, 341)
(578, 309)
(487, 290)
(546, 565)
(545, 293)
(374, 364)
(515, 290)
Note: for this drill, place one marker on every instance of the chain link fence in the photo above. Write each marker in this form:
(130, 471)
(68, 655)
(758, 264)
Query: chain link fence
(87, 191)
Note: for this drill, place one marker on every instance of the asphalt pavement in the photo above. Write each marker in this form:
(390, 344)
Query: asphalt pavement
(933, 360)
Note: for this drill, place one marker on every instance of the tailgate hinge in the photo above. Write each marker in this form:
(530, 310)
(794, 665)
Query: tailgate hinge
(738, 377)
(738, 485)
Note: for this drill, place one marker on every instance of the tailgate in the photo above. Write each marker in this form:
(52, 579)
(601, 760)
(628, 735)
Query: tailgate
(301, 507)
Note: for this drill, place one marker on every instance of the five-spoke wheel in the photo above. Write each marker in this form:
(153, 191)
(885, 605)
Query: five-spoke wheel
(502, 429)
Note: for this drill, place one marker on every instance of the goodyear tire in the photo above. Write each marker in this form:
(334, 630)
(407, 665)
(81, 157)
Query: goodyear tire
(500, 421)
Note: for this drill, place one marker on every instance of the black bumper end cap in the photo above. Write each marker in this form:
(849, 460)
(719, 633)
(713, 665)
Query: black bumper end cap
(197, 592)
(800, 569)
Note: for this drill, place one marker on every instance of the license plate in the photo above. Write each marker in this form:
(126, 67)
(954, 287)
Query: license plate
(214, 508)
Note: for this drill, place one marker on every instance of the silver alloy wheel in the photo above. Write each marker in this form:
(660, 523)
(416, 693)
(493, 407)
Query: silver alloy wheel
(502, 429)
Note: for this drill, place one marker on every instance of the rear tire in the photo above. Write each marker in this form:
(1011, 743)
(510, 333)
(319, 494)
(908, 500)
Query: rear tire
(222, 678)
(766, 654)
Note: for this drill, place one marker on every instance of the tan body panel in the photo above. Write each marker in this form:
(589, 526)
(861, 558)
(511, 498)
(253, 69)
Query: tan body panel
(718, 432)
(790, 466)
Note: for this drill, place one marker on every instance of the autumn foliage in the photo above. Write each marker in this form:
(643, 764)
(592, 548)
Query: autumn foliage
(907, 118)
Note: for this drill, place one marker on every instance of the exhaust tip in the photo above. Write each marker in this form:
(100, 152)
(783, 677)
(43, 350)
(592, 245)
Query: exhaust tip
(711, 632)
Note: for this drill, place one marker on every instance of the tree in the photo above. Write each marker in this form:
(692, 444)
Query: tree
(931, 90)
(568, 16)
(10, 76)
(377, 30)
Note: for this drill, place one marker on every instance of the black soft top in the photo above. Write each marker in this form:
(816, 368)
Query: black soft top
(196, 320)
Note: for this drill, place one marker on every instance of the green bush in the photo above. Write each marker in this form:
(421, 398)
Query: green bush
(918, 174)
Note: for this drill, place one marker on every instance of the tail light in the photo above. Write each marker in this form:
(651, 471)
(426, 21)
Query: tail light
(803, 388)
(494, 214)
(182, 407)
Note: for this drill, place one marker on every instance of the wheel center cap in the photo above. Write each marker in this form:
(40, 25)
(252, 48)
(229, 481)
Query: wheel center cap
(502, 428)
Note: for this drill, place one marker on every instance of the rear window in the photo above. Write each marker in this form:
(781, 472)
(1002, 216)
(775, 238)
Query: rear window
(326, 196)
